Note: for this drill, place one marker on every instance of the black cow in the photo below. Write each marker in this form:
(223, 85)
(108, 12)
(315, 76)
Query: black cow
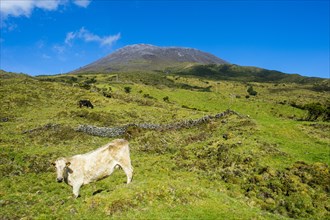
(86, 103)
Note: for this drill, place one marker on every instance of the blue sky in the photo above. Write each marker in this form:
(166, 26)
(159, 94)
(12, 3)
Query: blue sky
(57, 36)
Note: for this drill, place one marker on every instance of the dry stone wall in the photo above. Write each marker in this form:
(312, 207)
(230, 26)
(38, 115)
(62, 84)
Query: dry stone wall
(122, 130)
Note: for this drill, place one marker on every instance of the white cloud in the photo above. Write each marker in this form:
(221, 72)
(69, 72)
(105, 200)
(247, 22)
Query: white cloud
(10, 26)
(45, 56)
(82, 3)
(59, 49)
(110, 39)
(69, 37)
(48, 4)
(40, 44)
(87, 36)
(60, 52)
(16, 8)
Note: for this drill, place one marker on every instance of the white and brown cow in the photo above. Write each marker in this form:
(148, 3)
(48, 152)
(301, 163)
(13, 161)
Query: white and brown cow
(82, 169)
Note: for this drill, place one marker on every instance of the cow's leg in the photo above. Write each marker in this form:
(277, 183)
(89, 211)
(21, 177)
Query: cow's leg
(76, 188)
(129, 173)
(127, 167)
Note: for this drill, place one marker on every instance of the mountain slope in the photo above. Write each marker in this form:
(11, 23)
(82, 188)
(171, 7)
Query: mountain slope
(189, 61)
(248, 74)
(149, 57)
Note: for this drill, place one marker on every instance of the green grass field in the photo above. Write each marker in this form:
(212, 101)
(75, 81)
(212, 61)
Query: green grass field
(266, 163)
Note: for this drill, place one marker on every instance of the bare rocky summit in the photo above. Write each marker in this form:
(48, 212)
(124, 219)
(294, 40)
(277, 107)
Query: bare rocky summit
(149, 57)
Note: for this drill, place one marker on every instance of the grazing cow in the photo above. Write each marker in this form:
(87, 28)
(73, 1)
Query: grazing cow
(86, 103)
(82, 169)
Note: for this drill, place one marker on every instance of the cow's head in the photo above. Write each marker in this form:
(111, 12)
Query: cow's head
(61, 165)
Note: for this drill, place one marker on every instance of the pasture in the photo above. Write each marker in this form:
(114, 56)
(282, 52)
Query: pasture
(267, 162)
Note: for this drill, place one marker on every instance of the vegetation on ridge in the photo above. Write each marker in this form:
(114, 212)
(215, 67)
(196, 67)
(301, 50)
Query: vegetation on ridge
(250, 74)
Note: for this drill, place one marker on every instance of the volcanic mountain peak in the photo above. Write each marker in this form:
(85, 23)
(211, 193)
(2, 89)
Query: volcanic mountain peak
(150, 57)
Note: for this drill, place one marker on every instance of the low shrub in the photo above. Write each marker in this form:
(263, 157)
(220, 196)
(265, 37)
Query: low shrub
(148, 96)
(299, 191)
(15, 165)
(101, 118)
(317, 110)
(251, 91)
(128, 89)
(166, 99)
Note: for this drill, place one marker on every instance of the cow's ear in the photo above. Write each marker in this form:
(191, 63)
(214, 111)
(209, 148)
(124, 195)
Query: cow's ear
(68, 163)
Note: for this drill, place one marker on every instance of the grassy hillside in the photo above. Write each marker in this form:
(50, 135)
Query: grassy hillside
(249, 74)
(267, 162)
(227, 72)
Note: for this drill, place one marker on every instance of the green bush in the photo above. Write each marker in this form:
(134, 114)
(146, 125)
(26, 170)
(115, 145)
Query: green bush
(107, 92)
(316, 110)
(166, 99)
(127, 89)
(85, 85)
(90, 81)
(251, 91)
(148, 96)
